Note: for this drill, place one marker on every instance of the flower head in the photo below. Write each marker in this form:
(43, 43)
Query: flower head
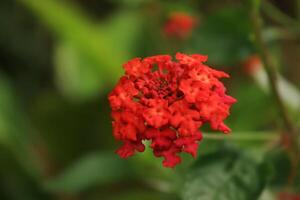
(252, 64)
(166, 102)
(288, 196)
(179, 25)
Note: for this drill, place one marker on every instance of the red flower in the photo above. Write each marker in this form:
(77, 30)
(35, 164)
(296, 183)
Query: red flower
(252, 64)
(179, 25)
(288, 196)
(167, 102)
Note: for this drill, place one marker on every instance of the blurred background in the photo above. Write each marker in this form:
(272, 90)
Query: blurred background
(59, 59)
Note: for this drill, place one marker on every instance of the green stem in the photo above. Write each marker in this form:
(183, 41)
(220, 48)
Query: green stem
(245, 136)
(289, 128)
(297, 2)
(277, 15)
(271, 71)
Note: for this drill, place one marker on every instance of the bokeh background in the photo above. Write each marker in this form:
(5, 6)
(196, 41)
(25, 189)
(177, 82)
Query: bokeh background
(59, 59)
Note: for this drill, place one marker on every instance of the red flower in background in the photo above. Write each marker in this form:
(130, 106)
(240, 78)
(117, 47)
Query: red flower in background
(288, 196)
(179, 25)
(167, 102)
(252, 64)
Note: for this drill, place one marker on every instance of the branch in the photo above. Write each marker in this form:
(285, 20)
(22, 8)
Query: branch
(276, 14)
(245, 136)
(271, 72)
(290, 129)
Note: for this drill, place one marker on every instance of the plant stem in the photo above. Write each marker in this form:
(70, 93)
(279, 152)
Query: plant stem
(276, 14)
(298, 9)
(246, 136)
(272, 73)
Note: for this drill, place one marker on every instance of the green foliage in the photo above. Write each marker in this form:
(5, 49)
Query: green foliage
(251, 99)
(96, 168)
(225, 174)
(76, 76)
(282, 166)
(15, 132)
(71, 129)
(62, 57)
(69, 24)
(103, 46)
(145, 195)
(79, 77)
(225, 36)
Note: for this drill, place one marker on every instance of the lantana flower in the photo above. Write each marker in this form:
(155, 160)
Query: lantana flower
(179, 25)
(252, 64)
(166, 102)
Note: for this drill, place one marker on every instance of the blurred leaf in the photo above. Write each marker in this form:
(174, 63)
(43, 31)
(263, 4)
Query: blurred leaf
(94, 169)
(251, 100)
(287, 91)
(179, 6)
(69, 24)
(121, 31)
(282, 167)
(132, 3)
(224, 36)
(70, 130)
(100, 46)
(75, 74)
(16, 183)
(144, 195)
(280, 160)
(225, 174)
(15, 132)
(267, 195)
(16, 37)
(81, 78)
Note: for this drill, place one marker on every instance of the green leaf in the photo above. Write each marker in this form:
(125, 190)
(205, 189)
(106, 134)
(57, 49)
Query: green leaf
(105, 47)
(70, 24)
(224, 36)
(223, 175)
(138, 195)
(94, 169)
(131, 3)
(79, 77)
(251, 100)
(267, 195)
(280, 159)
(15, 132)
(76, 76)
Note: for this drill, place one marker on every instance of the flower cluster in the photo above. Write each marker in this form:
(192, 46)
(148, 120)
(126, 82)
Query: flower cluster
(288, 196)
(179, 25)
(166, 102)
(252, 64)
